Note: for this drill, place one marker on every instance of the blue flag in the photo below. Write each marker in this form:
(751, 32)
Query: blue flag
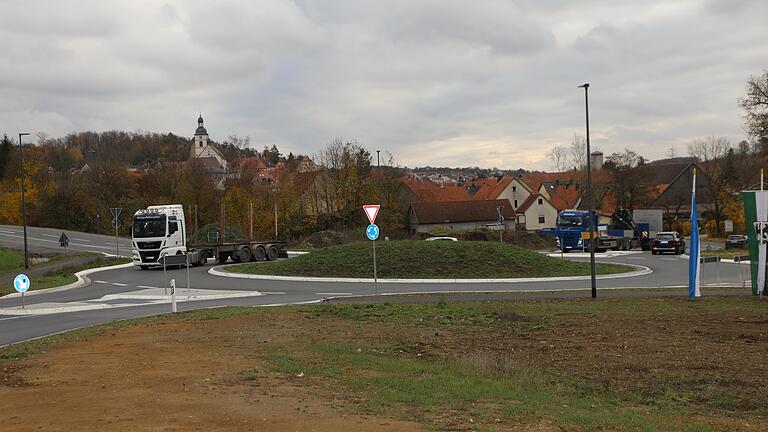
(694, 272)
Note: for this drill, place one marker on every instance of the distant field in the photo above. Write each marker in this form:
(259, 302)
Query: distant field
(618, 364)
(426, 260)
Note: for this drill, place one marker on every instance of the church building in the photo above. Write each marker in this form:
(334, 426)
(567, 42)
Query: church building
(205, 153)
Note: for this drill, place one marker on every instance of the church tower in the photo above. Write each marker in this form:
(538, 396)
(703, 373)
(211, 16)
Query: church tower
(201, 138)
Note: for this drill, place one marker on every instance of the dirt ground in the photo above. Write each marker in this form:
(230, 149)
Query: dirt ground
(191, 374)
(176, 376)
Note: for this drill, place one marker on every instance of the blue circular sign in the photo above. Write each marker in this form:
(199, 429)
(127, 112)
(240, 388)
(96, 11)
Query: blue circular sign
(372, 232)
(21, 283)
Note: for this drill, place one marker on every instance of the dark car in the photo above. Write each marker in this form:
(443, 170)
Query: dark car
(736, 242)
(668, 241)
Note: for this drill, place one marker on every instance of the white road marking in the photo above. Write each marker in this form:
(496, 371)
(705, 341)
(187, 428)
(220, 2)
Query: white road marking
(101, 282)
(144, 286)
(79, 239)
(50, 235)
(56, 241)
(119, 284)
(637, 258)
(333, 293)
(670, 259)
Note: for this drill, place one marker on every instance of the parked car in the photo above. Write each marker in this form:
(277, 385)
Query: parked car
(668, 241)
(442, 239)
(736, 242)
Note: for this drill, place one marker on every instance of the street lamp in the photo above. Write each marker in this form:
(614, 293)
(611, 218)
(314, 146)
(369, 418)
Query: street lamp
(23, 199)
(590, 204)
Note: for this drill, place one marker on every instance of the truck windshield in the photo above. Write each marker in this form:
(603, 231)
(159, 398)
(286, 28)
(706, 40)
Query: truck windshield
(570, 221)
(149, 227)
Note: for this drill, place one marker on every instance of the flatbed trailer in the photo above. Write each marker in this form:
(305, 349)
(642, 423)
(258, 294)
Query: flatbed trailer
(238, 251)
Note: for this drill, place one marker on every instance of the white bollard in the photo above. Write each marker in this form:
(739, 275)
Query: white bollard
(173, 295)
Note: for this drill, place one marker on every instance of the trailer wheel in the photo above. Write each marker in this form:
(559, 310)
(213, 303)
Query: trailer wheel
(244, 254)
(259, 253)
(272, 252)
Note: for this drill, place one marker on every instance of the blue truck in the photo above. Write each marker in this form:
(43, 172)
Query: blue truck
(572, 231)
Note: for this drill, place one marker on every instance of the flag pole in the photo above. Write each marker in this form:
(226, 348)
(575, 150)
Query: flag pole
(694, 270)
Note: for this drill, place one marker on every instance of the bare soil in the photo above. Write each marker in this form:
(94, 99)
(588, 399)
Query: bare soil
(174, 376)
(189, 374)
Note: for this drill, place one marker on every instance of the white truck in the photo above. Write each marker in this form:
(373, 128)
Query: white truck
(159, 231)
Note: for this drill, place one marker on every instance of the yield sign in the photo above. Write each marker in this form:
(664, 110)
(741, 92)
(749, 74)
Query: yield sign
(371, 211)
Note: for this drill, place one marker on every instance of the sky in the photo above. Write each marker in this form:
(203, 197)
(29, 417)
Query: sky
(486, 83)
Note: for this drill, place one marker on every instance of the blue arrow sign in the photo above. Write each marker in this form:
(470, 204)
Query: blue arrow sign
(372, 232)
(21, 283)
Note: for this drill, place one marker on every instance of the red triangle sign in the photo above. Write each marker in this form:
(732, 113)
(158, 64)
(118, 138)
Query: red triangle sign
(371, 211)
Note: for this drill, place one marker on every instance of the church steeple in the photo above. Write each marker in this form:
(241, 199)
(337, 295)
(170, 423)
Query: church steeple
(201, 138)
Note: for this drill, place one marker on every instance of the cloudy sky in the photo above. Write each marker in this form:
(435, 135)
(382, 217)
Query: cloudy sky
(434, 82)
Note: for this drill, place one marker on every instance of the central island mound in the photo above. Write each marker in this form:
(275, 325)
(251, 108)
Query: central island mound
(410, 259)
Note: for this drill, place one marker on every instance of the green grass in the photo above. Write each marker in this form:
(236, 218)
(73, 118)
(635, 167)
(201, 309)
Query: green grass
(10, 261)
(65, 275)
(724, 253)
(427, 260)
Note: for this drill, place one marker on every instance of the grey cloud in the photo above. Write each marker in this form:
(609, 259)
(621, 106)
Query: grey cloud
(434, 82)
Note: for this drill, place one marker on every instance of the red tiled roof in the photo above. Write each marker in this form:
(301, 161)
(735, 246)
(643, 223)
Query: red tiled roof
(492, 188)
(428, 191)
(461, 211)
(564, 196)
(534, 180)
(528, 202)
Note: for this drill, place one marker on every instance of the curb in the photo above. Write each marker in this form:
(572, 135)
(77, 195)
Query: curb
(641, 271)
(82, 279)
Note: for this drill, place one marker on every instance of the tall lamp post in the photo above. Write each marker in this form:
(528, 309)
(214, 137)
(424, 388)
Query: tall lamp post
(23, 199)
(590, 204)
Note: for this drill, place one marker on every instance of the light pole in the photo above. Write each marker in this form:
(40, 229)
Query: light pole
(590, 204)
(23, 200)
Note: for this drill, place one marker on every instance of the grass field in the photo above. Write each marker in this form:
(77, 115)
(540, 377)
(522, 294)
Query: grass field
(13, 262)
(10, 261)
(634, 364)
(725, 253)
(427, 260)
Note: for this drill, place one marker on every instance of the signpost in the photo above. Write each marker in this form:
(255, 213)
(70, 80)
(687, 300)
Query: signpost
(116, 224)
(728, 225)
(21, 284)
(64, 240)
(500, 210)
(372, 232)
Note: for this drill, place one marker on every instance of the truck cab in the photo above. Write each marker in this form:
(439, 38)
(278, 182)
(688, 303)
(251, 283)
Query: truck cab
(158, 231)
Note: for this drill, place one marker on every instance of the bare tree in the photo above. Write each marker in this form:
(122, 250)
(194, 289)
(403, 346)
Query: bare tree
(629, 179)
(578, 152)
(755, 103)
(559, 155)
(712, 153)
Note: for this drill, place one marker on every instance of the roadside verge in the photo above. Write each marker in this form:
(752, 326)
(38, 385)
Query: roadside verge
(82, 279)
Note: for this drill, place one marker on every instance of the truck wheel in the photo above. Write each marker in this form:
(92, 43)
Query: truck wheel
(259, 253)
(202, 259)
(244, 254)
(223, 257)
(272, 253)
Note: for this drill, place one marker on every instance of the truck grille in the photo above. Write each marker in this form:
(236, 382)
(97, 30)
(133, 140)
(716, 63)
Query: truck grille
(148, 257)
(148, 245)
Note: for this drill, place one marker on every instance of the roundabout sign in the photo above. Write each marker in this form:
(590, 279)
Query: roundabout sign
(21, 283)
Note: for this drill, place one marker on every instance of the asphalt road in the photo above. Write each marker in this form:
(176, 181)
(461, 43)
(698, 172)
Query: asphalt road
(119, 293)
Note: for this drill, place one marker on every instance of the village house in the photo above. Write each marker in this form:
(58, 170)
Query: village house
(460, 215)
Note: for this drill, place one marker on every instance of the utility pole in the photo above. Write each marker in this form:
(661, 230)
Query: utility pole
(23, 200)
(590, 204)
